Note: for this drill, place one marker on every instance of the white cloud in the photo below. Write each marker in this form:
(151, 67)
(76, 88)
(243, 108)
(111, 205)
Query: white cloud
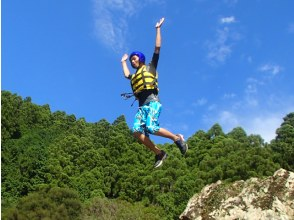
(251, 88)
(252, 85)
(251, 101)
(187, 112)
(261, 120)
(270, 68)
(231, 2)
(212, 107)
(123, 6)
(258, 111)
(111, 35)
(228, 20)
(220, 48)
(265, 126)
(111, 30)
(291, 28)
(228, 119)
(219, 52)
(229, 96)
(249, 59)
(200, 102)
(111, 21)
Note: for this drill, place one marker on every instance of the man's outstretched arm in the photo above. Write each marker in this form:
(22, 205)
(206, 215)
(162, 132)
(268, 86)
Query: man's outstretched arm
(158, 36)
(125, 66)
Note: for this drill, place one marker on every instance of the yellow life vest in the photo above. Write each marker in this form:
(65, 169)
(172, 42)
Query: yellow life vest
(143, 79)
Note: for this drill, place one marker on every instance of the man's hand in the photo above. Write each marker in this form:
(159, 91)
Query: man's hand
(158, 24)
(125, 66)
(124, 57)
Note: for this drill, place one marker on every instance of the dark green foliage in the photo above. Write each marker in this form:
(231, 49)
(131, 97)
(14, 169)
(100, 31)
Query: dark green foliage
(55, 203)
(238, 134)
(284, 143)
(52, 162)
(105, 209)
(10, 127)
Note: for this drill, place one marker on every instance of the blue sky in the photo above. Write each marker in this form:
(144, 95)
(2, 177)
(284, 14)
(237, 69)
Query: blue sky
(227, 61)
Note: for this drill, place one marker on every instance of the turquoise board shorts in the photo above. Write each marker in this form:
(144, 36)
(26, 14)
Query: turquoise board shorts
(146, 119)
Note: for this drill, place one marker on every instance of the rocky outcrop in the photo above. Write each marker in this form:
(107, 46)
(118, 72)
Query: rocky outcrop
(269, 198)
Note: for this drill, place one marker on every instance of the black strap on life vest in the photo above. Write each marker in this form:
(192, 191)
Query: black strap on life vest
(127, 95)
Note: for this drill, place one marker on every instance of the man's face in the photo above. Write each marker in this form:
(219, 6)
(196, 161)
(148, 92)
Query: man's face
(135, 61)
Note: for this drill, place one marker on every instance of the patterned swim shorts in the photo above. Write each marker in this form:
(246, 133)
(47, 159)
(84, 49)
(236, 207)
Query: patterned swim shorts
(146, 119)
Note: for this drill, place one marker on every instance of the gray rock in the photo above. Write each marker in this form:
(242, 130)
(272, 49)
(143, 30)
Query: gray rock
(257, 199)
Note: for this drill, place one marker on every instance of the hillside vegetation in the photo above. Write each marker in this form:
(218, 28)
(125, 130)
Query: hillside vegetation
(55, 166)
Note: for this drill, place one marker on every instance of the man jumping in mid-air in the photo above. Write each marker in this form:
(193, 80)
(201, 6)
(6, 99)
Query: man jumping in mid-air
(145, 88)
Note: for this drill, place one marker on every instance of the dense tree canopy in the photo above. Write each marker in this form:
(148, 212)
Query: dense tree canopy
(60, 167)
(284, 143)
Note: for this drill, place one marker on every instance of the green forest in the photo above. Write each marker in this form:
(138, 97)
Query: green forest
(57, 166)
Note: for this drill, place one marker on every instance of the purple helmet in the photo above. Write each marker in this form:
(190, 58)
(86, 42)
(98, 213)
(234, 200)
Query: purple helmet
(140, 55)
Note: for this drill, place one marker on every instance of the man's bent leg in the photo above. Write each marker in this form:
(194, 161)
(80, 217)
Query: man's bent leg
(162, 132)
(160, 155)
(147, 142)
(178, 139)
